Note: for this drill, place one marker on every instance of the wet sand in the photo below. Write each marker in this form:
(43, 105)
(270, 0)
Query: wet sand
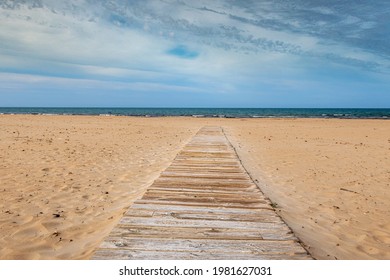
(66, 180)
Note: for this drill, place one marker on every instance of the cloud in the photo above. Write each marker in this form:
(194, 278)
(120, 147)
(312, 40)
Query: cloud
(221, 46)
(109, 31)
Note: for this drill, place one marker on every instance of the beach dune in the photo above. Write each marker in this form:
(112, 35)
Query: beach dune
(65, 181)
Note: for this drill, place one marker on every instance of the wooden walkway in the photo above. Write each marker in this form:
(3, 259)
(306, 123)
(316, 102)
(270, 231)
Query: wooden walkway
(203, 206)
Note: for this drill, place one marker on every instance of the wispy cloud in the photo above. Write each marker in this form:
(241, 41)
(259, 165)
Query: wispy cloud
(220, 46)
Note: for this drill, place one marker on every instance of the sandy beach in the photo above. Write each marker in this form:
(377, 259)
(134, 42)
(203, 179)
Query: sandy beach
(65, 181)
(330, 180)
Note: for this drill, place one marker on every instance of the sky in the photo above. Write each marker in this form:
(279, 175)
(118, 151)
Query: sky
(186, 53)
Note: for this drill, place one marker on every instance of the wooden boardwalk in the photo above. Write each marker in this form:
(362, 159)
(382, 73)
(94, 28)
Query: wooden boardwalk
(203, 206)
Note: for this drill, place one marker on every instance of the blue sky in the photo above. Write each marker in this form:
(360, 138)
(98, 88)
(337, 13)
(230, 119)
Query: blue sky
(222, 53)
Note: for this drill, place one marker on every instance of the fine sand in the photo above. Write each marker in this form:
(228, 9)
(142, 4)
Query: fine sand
(66, 180)
(329, 180)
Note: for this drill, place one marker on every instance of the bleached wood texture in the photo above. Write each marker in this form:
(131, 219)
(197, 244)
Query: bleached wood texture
(203, 206)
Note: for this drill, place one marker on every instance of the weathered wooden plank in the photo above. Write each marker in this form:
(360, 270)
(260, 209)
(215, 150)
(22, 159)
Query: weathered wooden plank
(203, 170)
(242, 204)
(205, 163)
(120, 254)
(174, 222)
(202, 197)
(204, 175)
(194, 155)
(260, 216)
(204, 183)
(198, 245)
(203, 193)
(215, 161)
(200, 209)
(204, 190)
(200, 177)
(185, 232)
(191, 233)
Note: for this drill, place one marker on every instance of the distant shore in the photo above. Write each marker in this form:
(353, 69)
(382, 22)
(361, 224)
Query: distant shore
(65, 181)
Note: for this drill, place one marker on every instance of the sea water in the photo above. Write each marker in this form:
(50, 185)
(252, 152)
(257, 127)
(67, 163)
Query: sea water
(210, 112)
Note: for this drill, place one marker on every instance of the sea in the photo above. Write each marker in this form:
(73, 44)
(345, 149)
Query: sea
(341, 113)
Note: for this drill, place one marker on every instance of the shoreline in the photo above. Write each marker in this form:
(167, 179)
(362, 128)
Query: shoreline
(204, 117)
(93, 167)
(228, 113)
